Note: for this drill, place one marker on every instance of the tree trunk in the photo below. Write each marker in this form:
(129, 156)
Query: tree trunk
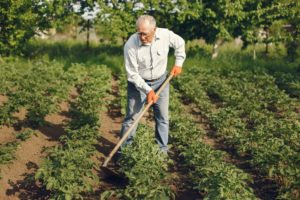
(267, 41)
(267, 48)
(88, 35)
(74, 31)
(215, 52)
(254, 52)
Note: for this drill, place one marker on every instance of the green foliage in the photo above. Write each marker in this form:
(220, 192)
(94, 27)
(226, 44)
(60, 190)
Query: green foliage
(59, 13)
(91, 91)
(254, 116)
(293, 41)
(67, 171)
(7, 152)
(270, 17)
(72, 53)
(39, 87)
(19, 21)
(289, 82)
(24, 135)
(208, 172)
(214, 21)
(145, 166)
(220, 19)
(119, 18)
(121, 101)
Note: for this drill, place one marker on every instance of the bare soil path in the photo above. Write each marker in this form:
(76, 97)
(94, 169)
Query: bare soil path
(18, 177)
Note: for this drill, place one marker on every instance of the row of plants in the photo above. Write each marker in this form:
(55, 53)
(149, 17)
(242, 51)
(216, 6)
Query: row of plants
(142, 162)
(39, 87)
(145, 166)
(208, 171)
(256, 100)
(288, 82)
(122, 82)
(8, 150)
(67, 171)
(11, 73)
(254, 116)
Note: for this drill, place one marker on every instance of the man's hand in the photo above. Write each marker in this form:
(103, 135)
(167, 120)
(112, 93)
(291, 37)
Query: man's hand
(151, 96)
(176, 70)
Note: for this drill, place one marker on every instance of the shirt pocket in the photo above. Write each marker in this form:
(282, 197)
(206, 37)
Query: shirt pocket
(160, 56)
(143, 63)
(162, 53)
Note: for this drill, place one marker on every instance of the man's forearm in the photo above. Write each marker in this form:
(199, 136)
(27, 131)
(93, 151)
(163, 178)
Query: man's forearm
(139, 82)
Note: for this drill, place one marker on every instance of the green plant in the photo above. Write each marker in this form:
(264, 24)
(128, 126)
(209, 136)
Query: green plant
(145, 166)
(26, 134)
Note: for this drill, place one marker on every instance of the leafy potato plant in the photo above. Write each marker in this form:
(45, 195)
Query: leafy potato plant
(254, 116)
(146, 167)
(67, 170)
(208, 171)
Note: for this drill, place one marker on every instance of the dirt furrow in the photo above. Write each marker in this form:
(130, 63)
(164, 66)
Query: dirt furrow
(111, 121)
(263, 187)
(18, 177)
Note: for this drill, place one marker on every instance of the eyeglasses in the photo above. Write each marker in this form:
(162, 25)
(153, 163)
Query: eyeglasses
(144, 34)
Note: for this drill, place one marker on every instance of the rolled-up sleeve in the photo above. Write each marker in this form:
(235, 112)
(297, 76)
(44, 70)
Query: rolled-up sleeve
(131, 66)
(178, 44)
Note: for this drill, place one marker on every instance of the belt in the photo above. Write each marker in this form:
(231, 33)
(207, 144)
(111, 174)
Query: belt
(151, 80)
(147, 80)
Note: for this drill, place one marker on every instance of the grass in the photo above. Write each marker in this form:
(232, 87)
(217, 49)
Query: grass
(69, 52)
(231, 57)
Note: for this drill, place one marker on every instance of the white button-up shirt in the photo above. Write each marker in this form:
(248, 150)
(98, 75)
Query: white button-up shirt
(150, 61)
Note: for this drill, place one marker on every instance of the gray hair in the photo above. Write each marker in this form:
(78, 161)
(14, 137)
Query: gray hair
(146, 18)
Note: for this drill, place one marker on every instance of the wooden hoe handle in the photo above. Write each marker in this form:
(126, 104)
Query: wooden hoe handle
(112, 153)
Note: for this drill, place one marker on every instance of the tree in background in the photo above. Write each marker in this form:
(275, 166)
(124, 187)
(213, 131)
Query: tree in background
(293, 32)
(19, 21)
(220, 21)
(120, 16)
(74, 13)
(88, 11)
(216, 21)
(59, 12)
(265, 21)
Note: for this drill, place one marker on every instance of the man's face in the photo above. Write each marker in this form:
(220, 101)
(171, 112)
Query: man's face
(146, 32)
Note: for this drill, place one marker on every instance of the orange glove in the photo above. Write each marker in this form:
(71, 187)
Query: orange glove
(152, 97)
(176, 70)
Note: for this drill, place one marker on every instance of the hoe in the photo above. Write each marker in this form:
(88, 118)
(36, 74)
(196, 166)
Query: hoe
(104, 167)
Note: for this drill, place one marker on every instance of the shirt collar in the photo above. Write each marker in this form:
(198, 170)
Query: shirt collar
(156, 37)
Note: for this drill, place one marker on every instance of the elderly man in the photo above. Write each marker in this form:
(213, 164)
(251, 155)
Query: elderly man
(146, 56)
